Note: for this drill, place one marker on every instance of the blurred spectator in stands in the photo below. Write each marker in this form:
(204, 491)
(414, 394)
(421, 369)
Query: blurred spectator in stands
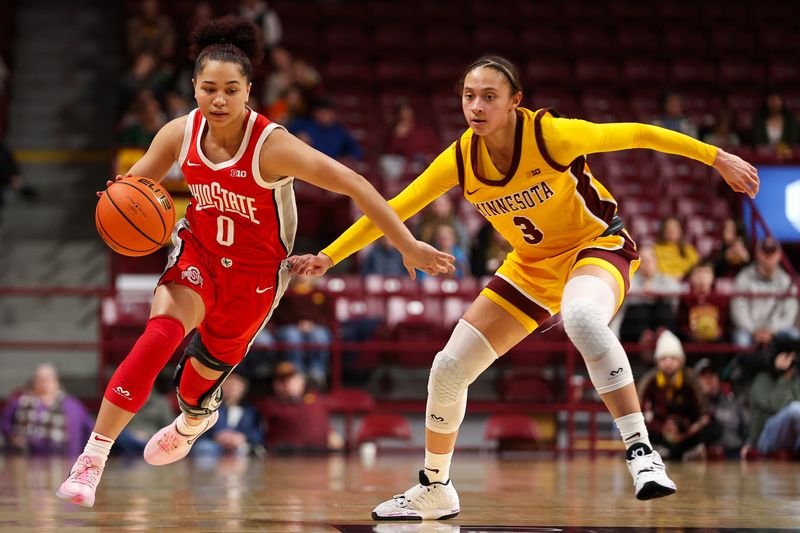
(323, 131)
(297, 420)
(673, 118)
(676, 414)
(156, 413)
(775, 403)
(43, 419)
(176, 105)
(11, 179)
(265, 18)
(409, 139)
(731, 254)
(280, 78)
(488, 251)
(304, 316)
(293, 104)
(675, 257)
(702, 312)
(257, 366)
(145, 76)
(238, 430)
(774, 126)
(445, 240)
(757, 319)
(726, 409)
(724, 133)
(442, 211)
(141, 127)
(305, 76)
(384, 259)
(651, 303)
(147, 31)
(202, 13)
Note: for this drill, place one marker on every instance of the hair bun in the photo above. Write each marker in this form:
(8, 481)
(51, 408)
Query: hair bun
(230, 29)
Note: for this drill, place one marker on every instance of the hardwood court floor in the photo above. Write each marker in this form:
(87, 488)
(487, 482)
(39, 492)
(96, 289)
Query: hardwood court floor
(332, 493)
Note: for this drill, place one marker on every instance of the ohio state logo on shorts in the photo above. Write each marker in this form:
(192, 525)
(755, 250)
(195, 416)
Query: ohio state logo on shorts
(193, 275)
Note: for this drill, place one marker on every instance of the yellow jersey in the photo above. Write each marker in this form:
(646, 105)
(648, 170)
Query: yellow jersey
(548, 202)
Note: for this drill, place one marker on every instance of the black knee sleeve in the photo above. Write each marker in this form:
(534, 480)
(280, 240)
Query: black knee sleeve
(212, 399)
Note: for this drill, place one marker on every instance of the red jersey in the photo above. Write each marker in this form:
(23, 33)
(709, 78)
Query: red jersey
(248, 223)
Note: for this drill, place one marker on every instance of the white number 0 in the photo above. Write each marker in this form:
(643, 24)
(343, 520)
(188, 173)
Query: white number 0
(224, 230)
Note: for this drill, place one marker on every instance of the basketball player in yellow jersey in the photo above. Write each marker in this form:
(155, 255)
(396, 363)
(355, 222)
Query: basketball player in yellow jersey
(526, 173)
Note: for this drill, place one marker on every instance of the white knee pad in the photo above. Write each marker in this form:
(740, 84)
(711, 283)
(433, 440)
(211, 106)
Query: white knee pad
(465, 356)
(586, 309)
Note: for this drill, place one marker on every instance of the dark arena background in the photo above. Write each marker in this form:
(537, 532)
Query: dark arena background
(84, 86)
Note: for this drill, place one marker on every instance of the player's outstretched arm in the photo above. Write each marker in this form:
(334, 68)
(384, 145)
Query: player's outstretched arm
(566, 139)
(285, 155)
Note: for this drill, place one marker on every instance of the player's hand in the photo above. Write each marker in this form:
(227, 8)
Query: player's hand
(310, 265)
(109, 183)
(740, 175)
(428, 259)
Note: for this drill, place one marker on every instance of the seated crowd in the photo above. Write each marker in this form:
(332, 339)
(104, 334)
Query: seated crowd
(43, 419)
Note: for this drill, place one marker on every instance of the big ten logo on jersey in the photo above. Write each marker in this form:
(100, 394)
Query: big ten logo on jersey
(213, 194)
(236, 173)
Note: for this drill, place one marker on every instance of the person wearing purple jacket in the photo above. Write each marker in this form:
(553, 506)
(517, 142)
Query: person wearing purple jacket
(43, 419)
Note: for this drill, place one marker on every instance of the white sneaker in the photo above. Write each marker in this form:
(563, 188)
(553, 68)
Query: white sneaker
(80, 486)
(168, 446)
(649, 475)
(425, 501)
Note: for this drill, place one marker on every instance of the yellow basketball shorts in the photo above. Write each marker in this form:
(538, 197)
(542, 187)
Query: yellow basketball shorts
(531, 291)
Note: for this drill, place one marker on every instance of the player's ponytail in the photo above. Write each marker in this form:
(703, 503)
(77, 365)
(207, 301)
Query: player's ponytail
(232, 39)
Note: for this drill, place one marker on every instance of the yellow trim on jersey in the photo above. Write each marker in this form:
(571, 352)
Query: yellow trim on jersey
(608, 267)
(527, 322)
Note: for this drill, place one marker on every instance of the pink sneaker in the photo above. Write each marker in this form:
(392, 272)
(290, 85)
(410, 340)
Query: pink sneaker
(83, 479)
(168, 446)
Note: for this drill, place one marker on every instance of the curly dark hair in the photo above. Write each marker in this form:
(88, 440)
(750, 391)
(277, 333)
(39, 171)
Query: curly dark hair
(232, 39)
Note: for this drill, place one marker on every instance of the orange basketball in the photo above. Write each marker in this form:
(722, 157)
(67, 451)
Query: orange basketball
(135, 216)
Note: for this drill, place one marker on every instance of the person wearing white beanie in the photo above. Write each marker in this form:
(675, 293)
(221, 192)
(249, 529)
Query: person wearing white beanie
(672, 402)
(669, 345)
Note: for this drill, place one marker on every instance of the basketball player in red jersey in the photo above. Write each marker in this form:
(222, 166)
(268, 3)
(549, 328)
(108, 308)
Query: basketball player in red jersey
(228, 268)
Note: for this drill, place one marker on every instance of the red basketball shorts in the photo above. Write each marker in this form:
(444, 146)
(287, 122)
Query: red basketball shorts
(238, 303)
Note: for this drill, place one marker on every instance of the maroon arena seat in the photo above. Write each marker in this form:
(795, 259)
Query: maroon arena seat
(511, 427)
(526, 386)
(544, 39)
(683, 40)
(638, 40)
(597, 69)
(384, 426)
(546, 70)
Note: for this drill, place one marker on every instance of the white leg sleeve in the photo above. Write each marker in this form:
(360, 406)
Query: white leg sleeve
(587, 307)
(465, 356)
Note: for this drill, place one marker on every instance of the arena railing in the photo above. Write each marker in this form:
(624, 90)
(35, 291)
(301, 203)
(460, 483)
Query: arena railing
(57, 347)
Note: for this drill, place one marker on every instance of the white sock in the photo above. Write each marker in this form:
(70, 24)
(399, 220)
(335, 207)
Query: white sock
(186, 429)
(437, 466)
(633, 431)
(99, 445)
